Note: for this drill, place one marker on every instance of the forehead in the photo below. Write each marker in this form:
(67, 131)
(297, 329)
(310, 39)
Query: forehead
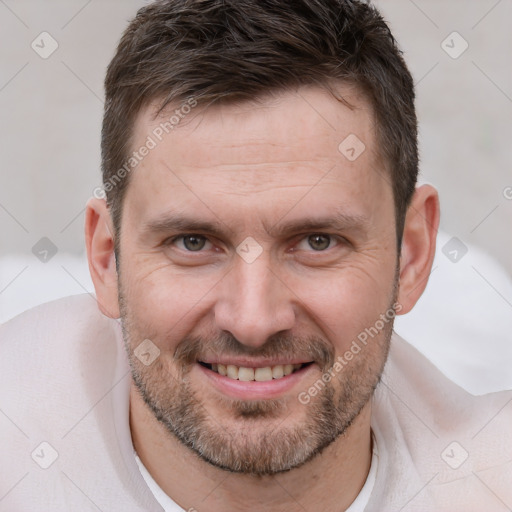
(308, 119)
(279, 146)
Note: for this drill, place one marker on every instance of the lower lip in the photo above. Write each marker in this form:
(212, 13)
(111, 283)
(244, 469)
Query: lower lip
(254, 390)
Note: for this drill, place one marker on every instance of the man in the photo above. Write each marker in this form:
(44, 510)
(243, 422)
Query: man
(261, 230)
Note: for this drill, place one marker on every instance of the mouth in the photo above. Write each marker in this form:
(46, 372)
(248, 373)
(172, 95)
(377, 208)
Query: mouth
(258, 374)
(256, 382)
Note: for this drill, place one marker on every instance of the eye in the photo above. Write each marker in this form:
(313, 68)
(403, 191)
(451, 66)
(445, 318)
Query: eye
(318, 242)
(190, 243)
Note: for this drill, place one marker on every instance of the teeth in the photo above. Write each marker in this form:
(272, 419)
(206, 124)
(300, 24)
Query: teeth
(258, 374)
(263, 374)
(245, 373)
(277, 371)
(232, 371)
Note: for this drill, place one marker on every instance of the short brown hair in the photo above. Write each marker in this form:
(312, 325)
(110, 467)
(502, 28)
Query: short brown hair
(231, 50)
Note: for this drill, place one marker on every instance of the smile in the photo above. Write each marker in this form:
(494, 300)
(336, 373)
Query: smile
(247, 374)
(262, 381)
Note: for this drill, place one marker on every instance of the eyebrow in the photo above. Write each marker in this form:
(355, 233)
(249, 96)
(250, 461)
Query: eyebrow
(340, 221)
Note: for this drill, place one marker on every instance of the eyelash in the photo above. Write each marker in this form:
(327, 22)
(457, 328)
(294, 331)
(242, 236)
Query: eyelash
(337, 238)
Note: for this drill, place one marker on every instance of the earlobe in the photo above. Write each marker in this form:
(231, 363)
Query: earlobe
(418, 246)
(99, 241)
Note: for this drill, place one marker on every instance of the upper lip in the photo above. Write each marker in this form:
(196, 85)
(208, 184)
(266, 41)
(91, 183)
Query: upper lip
(253, 363)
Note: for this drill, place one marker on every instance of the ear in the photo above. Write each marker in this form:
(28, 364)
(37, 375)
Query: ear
(99, 241)
(418, 246)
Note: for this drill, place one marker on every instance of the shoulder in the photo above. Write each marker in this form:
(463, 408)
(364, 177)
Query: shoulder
(64, 339)
(410, 378)
(456, 444)
(52, 357)
(61, 344)
(64, 407)
(72, 315)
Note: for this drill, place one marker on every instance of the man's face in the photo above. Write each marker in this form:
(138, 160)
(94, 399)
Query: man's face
(302, 260)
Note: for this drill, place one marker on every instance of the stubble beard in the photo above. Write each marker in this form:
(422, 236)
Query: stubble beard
(253, 437)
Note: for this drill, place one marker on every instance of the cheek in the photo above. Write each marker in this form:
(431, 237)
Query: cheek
(164, 302)
(347, 302)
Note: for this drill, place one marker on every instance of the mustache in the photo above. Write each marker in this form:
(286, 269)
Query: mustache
(309, 348)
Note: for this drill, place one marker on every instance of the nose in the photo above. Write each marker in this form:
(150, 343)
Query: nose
(254, 303)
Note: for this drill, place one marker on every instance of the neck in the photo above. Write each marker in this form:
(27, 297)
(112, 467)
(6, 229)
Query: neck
(330, 482)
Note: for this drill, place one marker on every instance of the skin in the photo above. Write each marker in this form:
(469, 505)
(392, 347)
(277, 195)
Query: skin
(254, 168)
